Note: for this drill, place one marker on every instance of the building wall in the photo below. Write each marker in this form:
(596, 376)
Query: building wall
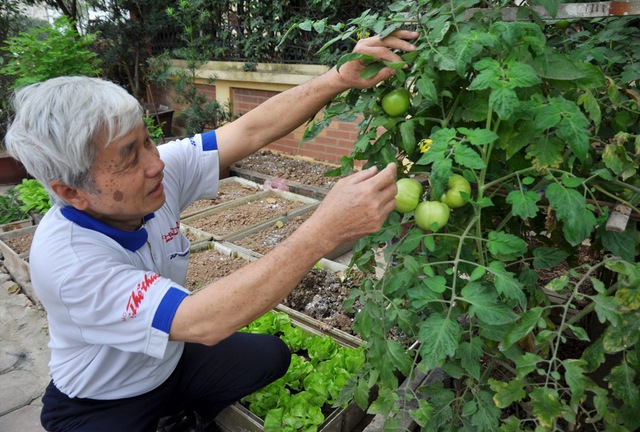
(243, 91)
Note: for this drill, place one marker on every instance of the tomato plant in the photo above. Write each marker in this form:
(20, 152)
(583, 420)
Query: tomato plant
(396, 102)
(544, 125)
(458, 191)
(431, 215)
(408, 196)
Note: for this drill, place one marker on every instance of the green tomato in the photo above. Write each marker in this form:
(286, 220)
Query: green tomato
(408, 196)
(432, 215)
(396, 102)
(452, 196)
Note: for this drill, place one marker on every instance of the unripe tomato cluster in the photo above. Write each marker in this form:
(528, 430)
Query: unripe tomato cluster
(431, 215)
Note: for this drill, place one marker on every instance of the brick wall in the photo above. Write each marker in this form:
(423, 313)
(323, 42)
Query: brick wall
(330, 145)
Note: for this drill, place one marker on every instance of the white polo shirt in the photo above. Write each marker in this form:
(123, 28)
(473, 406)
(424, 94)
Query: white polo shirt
(111, 295)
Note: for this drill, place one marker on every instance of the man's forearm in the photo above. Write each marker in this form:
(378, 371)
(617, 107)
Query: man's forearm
(286, 111)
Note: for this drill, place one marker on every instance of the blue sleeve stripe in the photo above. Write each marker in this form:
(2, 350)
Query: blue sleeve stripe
(209, 141)
(166, 311)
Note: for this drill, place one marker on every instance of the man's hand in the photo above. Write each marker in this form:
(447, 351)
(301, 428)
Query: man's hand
(356, 206)
(380, 49)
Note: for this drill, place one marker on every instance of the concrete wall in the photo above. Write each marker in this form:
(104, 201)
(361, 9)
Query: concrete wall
(245, 90)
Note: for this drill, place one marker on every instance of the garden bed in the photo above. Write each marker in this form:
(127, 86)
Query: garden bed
(229, 189)
(293, 168)
(319, 294)
(260, 209)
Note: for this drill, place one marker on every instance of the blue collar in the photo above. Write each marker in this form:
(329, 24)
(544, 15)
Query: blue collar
(131, 240)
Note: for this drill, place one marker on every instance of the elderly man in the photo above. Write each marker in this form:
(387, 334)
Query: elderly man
(129, 344)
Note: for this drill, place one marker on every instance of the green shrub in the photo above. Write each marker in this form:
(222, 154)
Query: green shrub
(49, 51)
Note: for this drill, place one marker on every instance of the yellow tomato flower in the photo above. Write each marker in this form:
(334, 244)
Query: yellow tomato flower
(425, 145)
(366, 35)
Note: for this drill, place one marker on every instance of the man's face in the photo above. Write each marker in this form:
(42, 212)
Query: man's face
(128, 180)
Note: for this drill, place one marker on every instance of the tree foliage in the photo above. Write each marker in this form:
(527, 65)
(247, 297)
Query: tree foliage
(49, 51)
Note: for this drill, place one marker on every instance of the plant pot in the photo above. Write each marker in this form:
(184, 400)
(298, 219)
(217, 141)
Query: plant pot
(11, 170)
(162, 115)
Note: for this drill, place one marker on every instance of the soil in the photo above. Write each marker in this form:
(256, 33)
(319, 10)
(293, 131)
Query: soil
(302, 170)
(320, 294)
(264, 240)
(19, 244)
(228, 191)
(225, 222)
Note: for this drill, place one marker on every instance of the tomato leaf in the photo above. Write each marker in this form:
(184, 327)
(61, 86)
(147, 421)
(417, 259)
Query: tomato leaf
(546, 258)
(372, 69)
(546, 406)
(399, 357)
(507, 392)
(467, 157)
(523, 204)
(622, 382)
(407, 132)
(486, 306)
(527, 364)
(440, 337)
(479, 136)
(546, 152)
(470, 354)
(505, 246)
(437, 284)
(527, 323)
(505, 283)
(571, 209)
(504, 101)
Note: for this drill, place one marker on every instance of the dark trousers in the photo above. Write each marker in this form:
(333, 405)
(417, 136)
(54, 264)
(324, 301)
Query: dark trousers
(207, 379)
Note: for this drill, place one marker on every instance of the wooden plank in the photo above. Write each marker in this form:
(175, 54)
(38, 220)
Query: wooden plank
(571, 10)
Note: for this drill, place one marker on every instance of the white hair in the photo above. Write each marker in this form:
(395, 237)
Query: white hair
(58, 124)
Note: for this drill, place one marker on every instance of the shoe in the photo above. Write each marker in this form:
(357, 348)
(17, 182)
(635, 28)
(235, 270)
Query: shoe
(184, 421)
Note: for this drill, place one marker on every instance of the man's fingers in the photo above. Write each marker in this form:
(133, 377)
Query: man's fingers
(400, 40)
(387, 176)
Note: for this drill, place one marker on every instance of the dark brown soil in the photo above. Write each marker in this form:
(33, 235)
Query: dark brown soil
(320, 294)
(19, 244)
(225, 222)
(298, 169)
(264, 240)
(228, 191)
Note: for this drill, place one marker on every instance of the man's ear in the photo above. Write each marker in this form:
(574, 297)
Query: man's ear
(74, 196)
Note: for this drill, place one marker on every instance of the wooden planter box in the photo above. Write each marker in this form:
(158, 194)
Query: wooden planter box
(274, 234)
(294, 187)
(238, 418)
(229, 184)
(16, 262)
(194, 224)
(162, 116)
(16, 225)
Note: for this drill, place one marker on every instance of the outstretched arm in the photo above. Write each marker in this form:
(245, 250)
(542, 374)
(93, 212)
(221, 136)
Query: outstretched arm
(286, 111)
(357, 205)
